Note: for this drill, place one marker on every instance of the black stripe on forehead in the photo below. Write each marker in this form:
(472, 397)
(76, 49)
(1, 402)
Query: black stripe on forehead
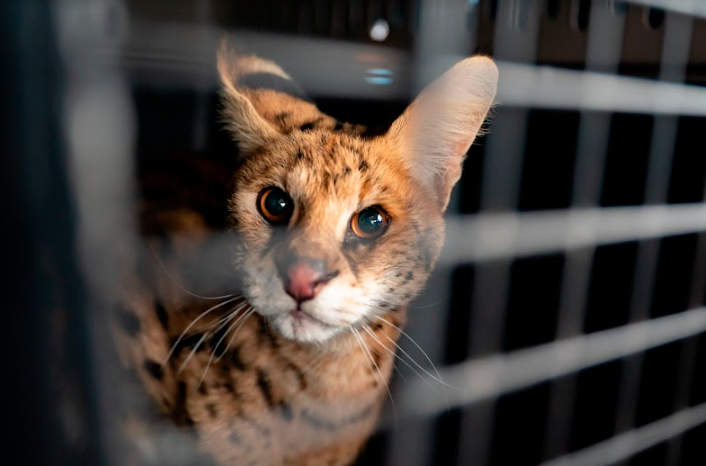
(273, 82)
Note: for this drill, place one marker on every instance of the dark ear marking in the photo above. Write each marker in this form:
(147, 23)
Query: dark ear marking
(273, 82)
(310, 125)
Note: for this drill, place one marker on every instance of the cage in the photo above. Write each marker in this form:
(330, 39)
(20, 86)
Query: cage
(567, 311)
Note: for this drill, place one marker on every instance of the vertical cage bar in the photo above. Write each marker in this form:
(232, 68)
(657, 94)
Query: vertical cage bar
(99, 128)
(53, 417)
(675, 56)
(604, 42)
(515, 39)
(435, 50)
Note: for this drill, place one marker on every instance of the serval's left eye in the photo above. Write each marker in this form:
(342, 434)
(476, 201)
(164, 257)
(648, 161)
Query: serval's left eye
(275, 205)
(369, 223)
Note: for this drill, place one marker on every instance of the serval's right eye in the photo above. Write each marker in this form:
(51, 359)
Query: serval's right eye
(275, 205)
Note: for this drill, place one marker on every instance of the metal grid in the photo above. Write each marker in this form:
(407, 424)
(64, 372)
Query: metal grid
(569, 306)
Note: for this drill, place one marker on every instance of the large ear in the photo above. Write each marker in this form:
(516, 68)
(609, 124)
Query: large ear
(435, 132)
(247, 127)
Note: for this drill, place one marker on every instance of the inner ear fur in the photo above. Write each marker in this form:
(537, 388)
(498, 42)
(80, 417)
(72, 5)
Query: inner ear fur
(435, 132)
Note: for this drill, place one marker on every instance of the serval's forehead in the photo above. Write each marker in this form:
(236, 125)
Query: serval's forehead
(326, 164)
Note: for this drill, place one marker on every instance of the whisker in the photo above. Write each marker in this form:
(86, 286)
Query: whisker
(374, 337)
(242, 318)
(372, 360)
(438, 376)
(179, 285)
(193, 322)
(191, 354)
(231, 316)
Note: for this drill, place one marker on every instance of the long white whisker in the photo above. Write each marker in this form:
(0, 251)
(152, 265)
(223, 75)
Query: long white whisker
(215, 348)
(193, 322)
(191, 354)
(374, 337)
(438, 376)
(179, 285)
(372, 360)
(242, 318)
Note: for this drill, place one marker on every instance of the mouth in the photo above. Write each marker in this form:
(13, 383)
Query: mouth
(301, 317)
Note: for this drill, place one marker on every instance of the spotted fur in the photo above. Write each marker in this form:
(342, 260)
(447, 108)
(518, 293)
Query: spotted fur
(266, 388)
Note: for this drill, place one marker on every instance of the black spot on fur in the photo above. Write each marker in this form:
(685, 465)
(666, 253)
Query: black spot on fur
(265, 386)
(363, 165)
(162, 314)
(346, 171)
(128, 321)
(300, 155)
(154, 369)
(408, 277)
(236, 360)
(180, 413)
(377, 326)
(188, 342)
(390, 290)
(203, 390)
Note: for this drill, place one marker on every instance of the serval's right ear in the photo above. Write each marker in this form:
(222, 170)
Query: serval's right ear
(250, 130)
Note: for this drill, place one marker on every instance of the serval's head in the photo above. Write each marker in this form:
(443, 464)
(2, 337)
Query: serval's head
(334, 229)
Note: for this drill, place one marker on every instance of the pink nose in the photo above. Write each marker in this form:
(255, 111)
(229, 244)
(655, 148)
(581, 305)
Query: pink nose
(304, 282)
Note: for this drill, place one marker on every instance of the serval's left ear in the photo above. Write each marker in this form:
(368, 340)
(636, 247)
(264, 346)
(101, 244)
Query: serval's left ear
(435, 132)
(250, 130)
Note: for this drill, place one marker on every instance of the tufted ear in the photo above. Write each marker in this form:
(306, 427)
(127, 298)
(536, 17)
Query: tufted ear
(435, 132)
(249, 129)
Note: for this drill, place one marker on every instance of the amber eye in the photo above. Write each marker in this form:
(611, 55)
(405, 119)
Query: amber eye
(369, 223)
(275, 205)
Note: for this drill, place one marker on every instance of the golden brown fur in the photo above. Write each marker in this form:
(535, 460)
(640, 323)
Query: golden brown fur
(264, 388)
